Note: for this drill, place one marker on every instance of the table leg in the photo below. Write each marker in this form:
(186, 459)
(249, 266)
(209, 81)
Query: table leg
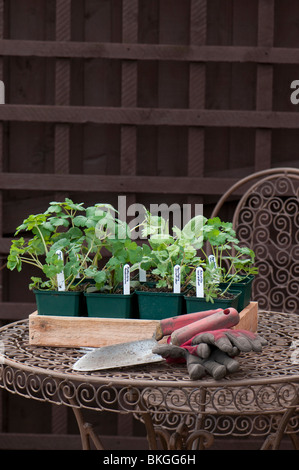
(199, 444)
(87, 433)
(181, 439)
(184, 439)
(273, 441)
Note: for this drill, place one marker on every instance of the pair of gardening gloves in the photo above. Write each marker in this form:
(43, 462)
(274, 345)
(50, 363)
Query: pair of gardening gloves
(212, 352)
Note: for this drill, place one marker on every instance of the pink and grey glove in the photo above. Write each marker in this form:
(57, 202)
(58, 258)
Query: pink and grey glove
(212, 352)
(217, 365)
(230, 341)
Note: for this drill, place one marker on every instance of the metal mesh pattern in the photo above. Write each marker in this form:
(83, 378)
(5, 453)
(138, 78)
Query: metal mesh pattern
(248, 402)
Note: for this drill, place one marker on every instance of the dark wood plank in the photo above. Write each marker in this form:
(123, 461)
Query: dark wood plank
(14, 311)
(197, 93)
(128, 154)
(69, 442)
(264, 84)
(150, 117)
(62, 87)
(115, 183)
(129, 87)
(160, 52)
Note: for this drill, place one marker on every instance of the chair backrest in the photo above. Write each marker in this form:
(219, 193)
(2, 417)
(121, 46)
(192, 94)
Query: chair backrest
(266, 219)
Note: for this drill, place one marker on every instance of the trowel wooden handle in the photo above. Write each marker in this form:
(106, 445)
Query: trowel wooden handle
(222, 319)
(168, 325)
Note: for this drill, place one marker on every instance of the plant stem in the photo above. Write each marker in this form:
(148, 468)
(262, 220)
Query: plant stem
(189, 277)
(82, 264)
(204, 253)
(43, 240)
(28, 261)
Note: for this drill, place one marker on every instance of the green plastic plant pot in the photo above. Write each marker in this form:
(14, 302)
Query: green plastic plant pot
(59, 303)
(245, 289)
(198, 304)
(109, 305)
(158, 305)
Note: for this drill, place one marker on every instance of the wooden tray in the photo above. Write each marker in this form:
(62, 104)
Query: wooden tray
(75, 332)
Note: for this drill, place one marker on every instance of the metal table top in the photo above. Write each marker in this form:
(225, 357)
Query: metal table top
(245, 402)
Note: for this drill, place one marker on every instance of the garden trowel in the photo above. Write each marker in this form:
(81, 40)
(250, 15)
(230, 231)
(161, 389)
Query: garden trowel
(119, 355)
(140, 351)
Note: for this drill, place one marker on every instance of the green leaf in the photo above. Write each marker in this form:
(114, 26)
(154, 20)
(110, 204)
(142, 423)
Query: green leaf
(69, 204)
(13, 262)
(173, 251)
(135, 255)
(35, 246)
(160, 240)
(74, 233)
(80, 221)
(194, 228)
(32, 222)
(61, 244)
(161, 283)
(48, 226)
(52, 270)
(54, 207)
(36, 281)
(106, 206)
(100, 277)
(60, 222)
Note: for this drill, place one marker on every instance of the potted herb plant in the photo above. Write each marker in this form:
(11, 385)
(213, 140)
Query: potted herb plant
(63, 244)
(211, 294)
(229, 268)
(236, 262)
(114, 292)
(172, 260)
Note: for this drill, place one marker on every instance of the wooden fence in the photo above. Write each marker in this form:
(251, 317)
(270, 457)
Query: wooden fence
(160, 101)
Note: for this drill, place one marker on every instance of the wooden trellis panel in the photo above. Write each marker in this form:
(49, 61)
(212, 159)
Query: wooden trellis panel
(161, 101)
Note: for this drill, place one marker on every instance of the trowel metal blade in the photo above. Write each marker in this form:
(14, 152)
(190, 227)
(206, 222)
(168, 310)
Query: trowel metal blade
(119, 355)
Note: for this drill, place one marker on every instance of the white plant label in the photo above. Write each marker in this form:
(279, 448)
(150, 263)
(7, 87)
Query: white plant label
(2, 92)
(199, 282)
(78, 275)
(142, 275)
(212, 260)
(126, 279)
(295, 351)
(60, 276)
(177, 279)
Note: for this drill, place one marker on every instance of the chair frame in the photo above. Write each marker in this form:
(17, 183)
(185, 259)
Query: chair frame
(285, 291)
(247, 179)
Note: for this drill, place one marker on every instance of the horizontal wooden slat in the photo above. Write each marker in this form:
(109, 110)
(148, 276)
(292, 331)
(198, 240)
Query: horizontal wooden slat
(114, 183)
(16, 310)
(86, 50)
(150, 116)
(43, 441)
(26, 441)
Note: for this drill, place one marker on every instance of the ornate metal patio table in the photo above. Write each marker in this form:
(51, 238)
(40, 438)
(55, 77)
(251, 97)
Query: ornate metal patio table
(261, 399)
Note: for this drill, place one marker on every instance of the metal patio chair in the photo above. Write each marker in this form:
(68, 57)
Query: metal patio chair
(266, 219)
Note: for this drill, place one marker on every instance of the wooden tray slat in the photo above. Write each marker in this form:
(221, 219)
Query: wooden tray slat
(97, 332)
